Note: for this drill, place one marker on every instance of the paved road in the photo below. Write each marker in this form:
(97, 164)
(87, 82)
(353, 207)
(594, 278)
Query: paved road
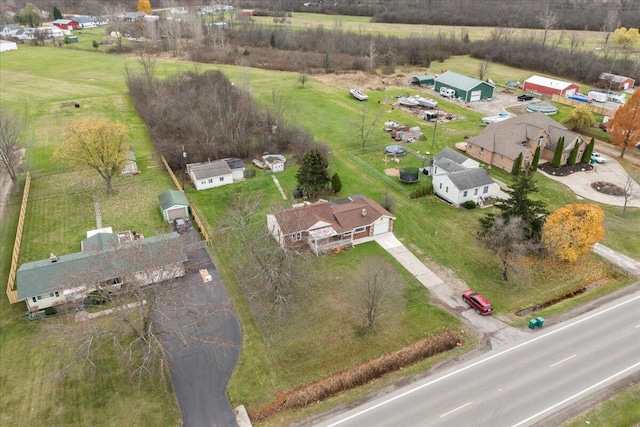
(522, 383)
(204, 343)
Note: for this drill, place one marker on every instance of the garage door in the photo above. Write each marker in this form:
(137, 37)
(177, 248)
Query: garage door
(175, 213)
(381, 226)
(476, 95)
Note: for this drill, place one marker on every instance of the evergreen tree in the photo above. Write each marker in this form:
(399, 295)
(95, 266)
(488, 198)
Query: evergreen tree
(574, 154)
(313, 175)
(586, 156)
(536, 159)
(519, 204)
(272, 42)
(336, 183)
(557, 155)
(517, 164)
(56, 13)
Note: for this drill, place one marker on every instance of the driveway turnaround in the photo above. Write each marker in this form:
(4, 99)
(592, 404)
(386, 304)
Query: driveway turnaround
(610, 171)
(204, 343)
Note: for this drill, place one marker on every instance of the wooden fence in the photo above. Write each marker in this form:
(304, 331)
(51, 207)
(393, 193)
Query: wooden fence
(194, 213)
(12, 292)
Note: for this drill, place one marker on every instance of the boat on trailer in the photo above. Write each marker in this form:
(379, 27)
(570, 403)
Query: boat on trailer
(408, 101)
(358, 94)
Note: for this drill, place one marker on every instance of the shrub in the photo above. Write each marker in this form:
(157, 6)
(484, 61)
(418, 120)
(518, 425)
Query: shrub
(469, 204)
(423, 190)
(50, 311)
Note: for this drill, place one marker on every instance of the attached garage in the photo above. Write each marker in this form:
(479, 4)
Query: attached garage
(426, 80)
(173, 204)
(467, 88)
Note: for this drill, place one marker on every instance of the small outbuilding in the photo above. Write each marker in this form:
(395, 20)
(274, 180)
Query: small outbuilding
(615, 82)
(427, 80)
(237, 168)
(6, 45)
(65, 24)
(547, 86)
(173, 204)
(467, 88)
(274, 162)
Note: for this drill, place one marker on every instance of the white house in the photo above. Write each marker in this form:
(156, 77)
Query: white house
(10, 30)
(210, 174)
(457, 179)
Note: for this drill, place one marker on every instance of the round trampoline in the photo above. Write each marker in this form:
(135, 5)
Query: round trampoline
(542, 107)
(398, 150)
(409, 175)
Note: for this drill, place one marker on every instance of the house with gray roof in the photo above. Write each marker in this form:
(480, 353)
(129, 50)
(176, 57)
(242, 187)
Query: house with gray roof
(501, 143)
(105, 262)
(457, 179)
(210, 174)
(466, 88)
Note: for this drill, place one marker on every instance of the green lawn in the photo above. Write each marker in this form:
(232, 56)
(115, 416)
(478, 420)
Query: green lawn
(620, 411)
(36, 82)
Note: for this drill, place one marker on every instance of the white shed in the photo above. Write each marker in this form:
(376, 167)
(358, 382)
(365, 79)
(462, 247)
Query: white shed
(6, 45)
(274, 162)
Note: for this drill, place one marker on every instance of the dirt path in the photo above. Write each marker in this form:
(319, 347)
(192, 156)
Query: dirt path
(6, 185)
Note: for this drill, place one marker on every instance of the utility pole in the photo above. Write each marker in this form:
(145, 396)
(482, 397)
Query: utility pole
(184, 166)
(435, 126)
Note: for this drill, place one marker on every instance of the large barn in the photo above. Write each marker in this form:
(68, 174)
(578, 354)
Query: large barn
(615, 82)
(467, 88)
(547, 86)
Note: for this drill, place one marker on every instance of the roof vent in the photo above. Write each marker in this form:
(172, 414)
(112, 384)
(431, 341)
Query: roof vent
(364, 212)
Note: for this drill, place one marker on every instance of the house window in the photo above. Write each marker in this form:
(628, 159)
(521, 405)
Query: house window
(481, 150)
(359, 230)
(485, 190)
(34, 299)
(435, 170)
(296, 237)
(540, 141)
(210, 180)
(54, 294)
(475, 192)
(464, 194)
(446, 190)
(221, 178)
(441, 186)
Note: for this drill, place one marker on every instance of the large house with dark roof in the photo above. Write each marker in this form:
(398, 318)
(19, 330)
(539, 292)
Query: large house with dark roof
(105, 261)
(325, 225)
(501, 143)
(457, 179)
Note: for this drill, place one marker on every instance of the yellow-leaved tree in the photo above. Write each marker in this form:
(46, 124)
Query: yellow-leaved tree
(572, 230)
(624, 127)
(144, 6)
(99, 144)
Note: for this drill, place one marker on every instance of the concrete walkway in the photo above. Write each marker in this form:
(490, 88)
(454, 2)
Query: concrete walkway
(626, 263)
(497, 331)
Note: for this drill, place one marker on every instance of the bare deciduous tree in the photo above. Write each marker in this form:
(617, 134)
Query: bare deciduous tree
(366, 122)
(10, 130)
(548, 21)
(506, 237)
(302, 78)
(377, 289)
(265, 270)
(627, 192)
(371, 57)
(611, 23)
(483, 69)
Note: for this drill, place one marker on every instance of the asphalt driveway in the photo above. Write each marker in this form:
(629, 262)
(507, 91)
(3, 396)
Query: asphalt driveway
(204, 340)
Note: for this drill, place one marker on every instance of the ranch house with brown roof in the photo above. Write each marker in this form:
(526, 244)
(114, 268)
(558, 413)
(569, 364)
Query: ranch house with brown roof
(501, 143)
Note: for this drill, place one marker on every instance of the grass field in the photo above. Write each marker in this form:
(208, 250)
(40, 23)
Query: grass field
(620, 411)
(36, 82)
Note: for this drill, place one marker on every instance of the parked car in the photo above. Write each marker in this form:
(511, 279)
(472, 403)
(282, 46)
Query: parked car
(525, 97)
(180, 225)
(597, 157)
(479, 303)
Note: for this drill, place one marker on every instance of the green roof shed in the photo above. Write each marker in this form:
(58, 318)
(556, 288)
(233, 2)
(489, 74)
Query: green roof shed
(173, 204)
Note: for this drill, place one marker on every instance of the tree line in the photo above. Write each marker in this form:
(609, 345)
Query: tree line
(570, 14)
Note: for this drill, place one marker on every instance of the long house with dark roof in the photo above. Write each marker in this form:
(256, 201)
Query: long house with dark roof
(103, 262)
(501, 143)
(325, 225)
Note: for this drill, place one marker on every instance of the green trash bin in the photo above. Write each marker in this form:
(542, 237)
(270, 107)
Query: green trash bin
(532, 323)
(539, 322)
